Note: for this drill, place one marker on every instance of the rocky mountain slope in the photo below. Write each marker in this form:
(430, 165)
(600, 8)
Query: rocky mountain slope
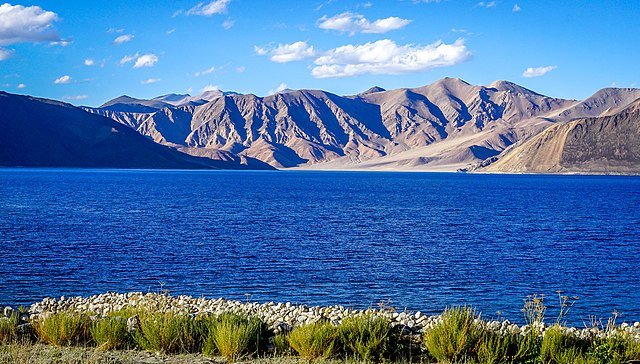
(44, 133)
(608, 144)
(448, 125)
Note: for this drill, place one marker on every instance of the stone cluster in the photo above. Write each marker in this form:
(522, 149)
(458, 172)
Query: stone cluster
(283, 316)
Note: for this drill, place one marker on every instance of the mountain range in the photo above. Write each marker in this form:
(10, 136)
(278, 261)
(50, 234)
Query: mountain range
(449, 125)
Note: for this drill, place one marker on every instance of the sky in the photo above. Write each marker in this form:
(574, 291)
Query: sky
(87, 52)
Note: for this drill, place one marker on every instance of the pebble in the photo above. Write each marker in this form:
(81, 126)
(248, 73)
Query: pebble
(280, 317)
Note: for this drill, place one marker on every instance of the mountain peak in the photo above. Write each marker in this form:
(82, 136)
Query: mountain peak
(502, 85)
(373, 90)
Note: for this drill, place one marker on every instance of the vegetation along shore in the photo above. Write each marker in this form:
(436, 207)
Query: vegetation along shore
(147, 328)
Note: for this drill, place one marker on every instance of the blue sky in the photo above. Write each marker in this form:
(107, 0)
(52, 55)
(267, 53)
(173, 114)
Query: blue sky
(564, 49)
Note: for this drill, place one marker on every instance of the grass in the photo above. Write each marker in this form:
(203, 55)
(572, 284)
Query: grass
(169, 333)
(110, 333)
(314, 341)
(9, 328)
(234, 337)
(366, 337)
(455, 337)
(64, 329)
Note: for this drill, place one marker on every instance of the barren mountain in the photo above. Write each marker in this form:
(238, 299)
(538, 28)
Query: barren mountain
(45, 133)
(607, 144)
(447, 125)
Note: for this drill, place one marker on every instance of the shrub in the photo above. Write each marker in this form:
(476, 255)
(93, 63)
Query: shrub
(64, 329)
(455, 337)
(9, 328)
(507, 348)
(558, 347)
(234, 336)
(313, 341)
(365, 337)
(281, 347)
(169, 332)
(110, 333)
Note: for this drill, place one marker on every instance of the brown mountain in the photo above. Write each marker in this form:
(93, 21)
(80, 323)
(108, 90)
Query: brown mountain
(608, 144)
(44, 133)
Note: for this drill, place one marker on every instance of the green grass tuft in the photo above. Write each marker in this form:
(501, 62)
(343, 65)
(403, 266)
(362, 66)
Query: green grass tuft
(9, 328)
(64, 329)
(110, 333)
(455, 337)
(366, 338)
(234, 337)
(169, 333)
(314, 341)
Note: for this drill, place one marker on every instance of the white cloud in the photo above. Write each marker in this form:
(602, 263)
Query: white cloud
(62, 80)
(124, 38)
(537, 71)
(355, 23)
(5, 54)
(171, 31)
(22, 86)
(19, 24)
(205, 72)
(89, 62)
(516, 8)
(76, 98)
(210, 88)
(210, 9)
(284, 53)
(115, 30)
(147, 60)
(241, 69)
(386, 57)
(228, 24)
(280, 88)
(150, 81)
(61, 43)
(488, 5)
(129, 58)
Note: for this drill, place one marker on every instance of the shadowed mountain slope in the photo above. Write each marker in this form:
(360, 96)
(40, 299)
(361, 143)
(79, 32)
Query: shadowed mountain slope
(44, 133)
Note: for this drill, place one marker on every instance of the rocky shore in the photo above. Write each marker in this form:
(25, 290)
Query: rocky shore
(282, 317)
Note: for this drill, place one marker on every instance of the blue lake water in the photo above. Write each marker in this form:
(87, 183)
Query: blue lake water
(420, 241)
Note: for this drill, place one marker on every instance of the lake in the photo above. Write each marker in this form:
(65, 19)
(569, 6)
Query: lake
(420, 241)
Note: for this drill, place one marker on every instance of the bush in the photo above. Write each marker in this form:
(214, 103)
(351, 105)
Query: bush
(365, 337)
(455, 337)
(281, 347)
(313, 341)
(110, 333)
(169, 333)
(508, 348)
(9, 328)
(64, 329)
(558, 347)
(234, 336)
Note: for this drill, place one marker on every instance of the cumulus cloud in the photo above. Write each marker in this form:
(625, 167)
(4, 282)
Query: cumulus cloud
(355, 23)
(516, 8)
(129, 58)
(147, 60)
(22, 86)
(150, 81)
(284, 53)
(280, 88)
(124, 38)
(5, 54)
(241, 69)
(89, 62)
(20, 24)
(62, 80)
(537, 71)
(210, 9)
(387, 57)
